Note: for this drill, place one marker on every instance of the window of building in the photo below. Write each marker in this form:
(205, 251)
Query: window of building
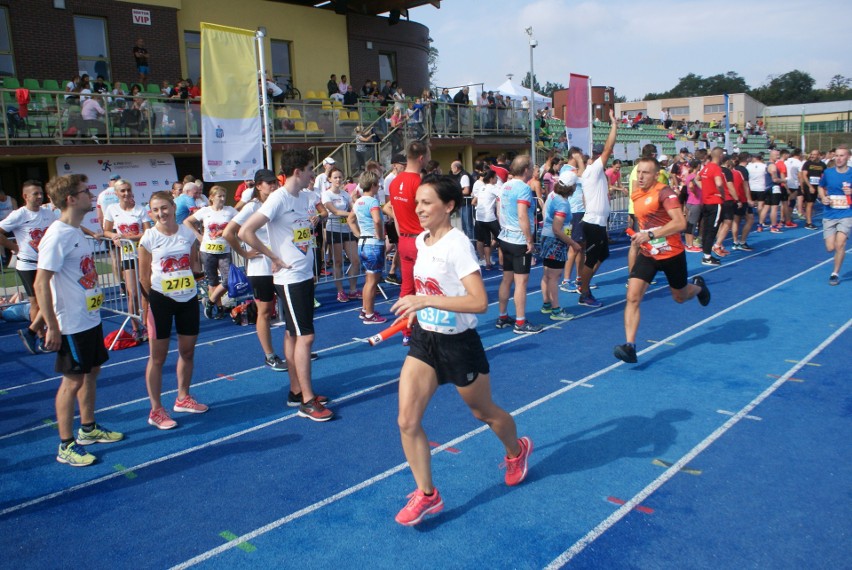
(192, 45)
(282, 70)
(678, 110)
(92, 52)
(7, 58)
(387, 67)
(708, 109)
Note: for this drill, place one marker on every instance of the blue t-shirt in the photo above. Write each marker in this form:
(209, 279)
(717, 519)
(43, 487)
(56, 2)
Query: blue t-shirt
(515, 192)
(576, 199)
(555, 206)
(184, 206)
(833, 183)
(363, 212)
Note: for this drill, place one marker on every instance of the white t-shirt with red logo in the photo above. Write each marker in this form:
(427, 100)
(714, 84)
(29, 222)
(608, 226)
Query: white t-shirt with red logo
(127, 222)
(290, 234)
(77, 297)
(439, 270)
(214, 222)
(171, 272)
(29, 228)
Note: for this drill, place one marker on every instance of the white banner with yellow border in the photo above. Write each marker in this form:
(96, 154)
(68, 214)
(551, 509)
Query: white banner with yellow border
(231, 135)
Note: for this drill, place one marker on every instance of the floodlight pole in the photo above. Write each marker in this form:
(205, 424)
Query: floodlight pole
(261, 74)
(533, 44)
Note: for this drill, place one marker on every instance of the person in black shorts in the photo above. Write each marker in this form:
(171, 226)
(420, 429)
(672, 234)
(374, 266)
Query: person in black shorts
(168, 264)
(445, 347)
(486, 232)
(66, 261)
(809, 176)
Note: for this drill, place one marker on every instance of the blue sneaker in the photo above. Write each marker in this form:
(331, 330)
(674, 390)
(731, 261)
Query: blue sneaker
(589, 301)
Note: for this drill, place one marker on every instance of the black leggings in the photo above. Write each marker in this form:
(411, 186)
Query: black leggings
(710, 215)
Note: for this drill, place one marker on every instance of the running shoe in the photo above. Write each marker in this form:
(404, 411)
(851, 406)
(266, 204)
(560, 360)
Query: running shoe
(711, 261)
(123, 286)
(314, 355)
(791, 225)
(721, 251)
(317, 304)
(342, 297)
(374, 319)
(30, 340)
(834, 279)
(314, 410)
(362, 314)
(775, 230)
(546, 309)
(419, 507)
(208, 309)
(275, 363)
(697, 242)
(160, 419)
(735, 247)
(527, 328)
(40, 346)
(221, 312)
(626, 352)
(589, 301)
(325, 273)
(560, 314)
(567, 286)
(140, 334)
(693, 249)
(810, 227)
(190, 405)
(758, 228)
(295, 400)
(704, 294)
(74, 455)
(99, 434)
(355, 295)
(503, 322)
(746, 247)
(393, 280)
(516, 467)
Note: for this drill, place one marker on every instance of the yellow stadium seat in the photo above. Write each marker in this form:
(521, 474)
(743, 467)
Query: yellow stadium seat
(312, 95)
(299, 126)
(295, 114)
(282, 114)
(353, 116)
(313, 126)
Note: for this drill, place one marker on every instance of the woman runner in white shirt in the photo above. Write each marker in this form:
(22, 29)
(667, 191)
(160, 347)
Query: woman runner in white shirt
(337, 232)
(168, 263)
(445, 347)
(128, 221)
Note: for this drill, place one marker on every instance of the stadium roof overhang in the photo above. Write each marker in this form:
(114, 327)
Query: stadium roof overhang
(366, 7)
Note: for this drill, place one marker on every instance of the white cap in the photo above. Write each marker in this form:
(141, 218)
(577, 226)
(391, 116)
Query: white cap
(328, 160)
(568, 178)
(662, 158)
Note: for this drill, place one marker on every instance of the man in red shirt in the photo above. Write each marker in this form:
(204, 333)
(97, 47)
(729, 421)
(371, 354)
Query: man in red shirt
(402, 191)
(660, 217)
(732, 200)
(712, 183)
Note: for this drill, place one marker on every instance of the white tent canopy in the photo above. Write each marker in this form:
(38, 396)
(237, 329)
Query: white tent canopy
(517, 92)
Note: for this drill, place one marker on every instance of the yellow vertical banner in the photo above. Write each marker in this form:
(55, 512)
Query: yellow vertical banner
(231, 134)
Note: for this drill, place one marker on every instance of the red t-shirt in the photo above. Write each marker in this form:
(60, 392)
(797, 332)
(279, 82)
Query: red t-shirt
(402, 191)
(651, 210)
(738, 184)
(709, 191)
(782, 172)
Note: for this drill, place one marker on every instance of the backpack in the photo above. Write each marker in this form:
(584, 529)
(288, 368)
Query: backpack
(238, 283)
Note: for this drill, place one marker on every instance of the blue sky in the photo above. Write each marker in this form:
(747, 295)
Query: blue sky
(637, 47)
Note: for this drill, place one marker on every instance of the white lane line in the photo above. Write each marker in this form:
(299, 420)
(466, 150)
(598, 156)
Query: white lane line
(521, 410)
(384, 475)
(637, 499)
(727, 413)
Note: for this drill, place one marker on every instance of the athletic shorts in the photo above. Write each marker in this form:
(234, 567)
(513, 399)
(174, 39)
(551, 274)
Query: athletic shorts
(371, 251)
(729, 208)
(693, 214)
(186, 315)
(81, 352)
(128, 264)
(339, 237)
(835, 226)
(456, 358)
(646, 267)
(390, 231)
(597, 244)
(774, 198)
(743, 210)
(810, 197)
(263, 287)
(142, 69)
(758, 196)
(216, 266)
(554, 252)
(792, 191)
(28, 280)
(515, 257)
(784, 193)
(577, 227)
(486, 232)
(298, 306)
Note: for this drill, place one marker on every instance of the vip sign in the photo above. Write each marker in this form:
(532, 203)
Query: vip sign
(142, 17)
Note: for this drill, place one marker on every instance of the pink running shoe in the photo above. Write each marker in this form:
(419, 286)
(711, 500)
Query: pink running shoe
(419, 507)
(355, 295)
(374, 319)
(160, 419)
(189, 404)
(342, 297)
(516, 467)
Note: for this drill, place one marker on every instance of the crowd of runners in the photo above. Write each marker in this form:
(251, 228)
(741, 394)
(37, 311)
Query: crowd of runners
(285, 223)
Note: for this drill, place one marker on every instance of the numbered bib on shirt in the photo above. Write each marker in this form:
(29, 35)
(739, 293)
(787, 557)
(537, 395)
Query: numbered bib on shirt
(94, 300)
(567, 230)
(838, 202)
(127, 249)
(776, 189)
(178, 283)
(211, 247)
(814, 180)
(343, 220)
(437, 320)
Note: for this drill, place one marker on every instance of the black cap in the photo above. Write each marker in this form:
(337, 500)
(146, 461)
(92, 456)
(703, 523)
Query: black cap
(265, 175)
(598, 149)
(684, 150)
(398, 159)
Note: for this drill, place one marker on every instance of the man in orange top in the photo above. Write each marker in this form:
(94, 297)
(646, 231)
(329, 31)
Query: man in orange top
(661, 220)
(402, 191)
